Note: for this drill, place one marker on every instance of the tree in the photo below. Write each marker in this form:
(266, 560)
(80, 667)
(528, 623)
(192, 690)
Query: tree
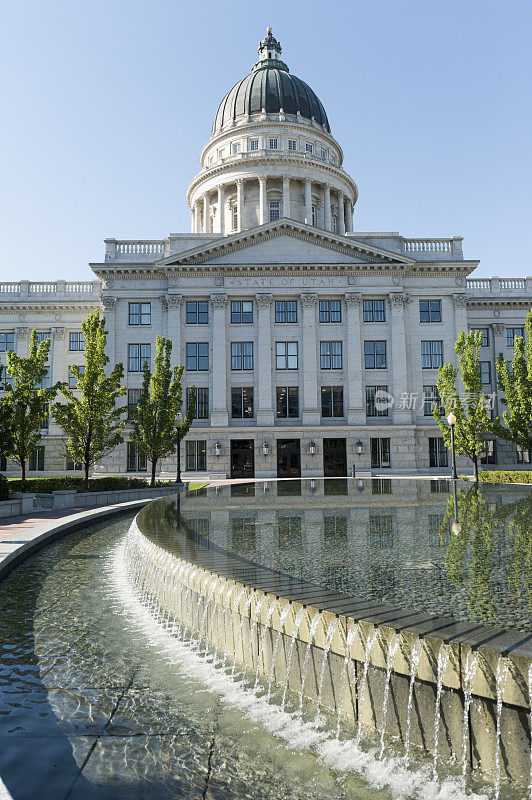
(6, 417)
(25, 402)
(516, 384)
(90, 419)
(472, 419)
(155, 425)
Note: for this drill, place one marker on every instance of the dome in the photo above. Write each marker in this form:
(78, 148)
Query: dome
(270, 87)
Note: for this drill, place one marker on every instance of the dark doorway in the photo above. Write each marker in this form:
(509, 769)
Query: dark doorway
(288, 458)
(242, 458)
(334, 458)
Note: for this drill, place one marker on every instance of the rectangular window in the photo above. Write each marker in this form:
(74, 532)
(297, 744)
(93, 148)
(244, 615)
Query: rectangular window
(523, 456)
(489, 453)
(286, 355)
(197, 312)
(287, 402)
(274, 144)
(137, 356)
(253, 144)
(136, 462)
(335, 529)
(430, 310)
(485, 372)
(314, 216)
(241, 356)
(309, 147)
(72, 380)
(380, 453)
(375, 355)
(133, 397)
(202, 402)
(242, 402)
(437, 452)
(292, 144)
(140, 313)
(380, 533)
(289, 532)
(323, 154)
(330, 311)
(76, 341)
(431, 396)
(42, 336)
(286, 311)
(431, 354)
(331, 355)
(7, 342)
(332, 401)
(275, 210)
(381, 486)
(197, 356)
(380, 407)
(196, 455)
(36, 460)
(237, 147)
(512, 334)
(241, 312)
(374, 311)
(45, 382)
(243, 534)
(234, 218)
(72, 464)
(485, 336)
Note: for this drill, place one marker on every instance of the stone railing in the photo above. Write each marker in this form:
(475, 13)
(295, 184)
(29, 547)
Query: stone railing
(139, 248)
(428, 245)
(53, 290)
(499, 286)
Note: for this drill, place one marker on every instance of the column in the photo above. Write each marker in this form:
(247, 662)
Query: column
(498, 345)
(192, 220)
(356, 412)
(327, 221)
(460, 324)
(58, 359)
(308, 202)
(206, 213)
(172, 305)
(219, 415)
(341, 214)
(197, 223)
(22, 342)
(110, 305)
(286, 197)
(221, 210)
(263, 363)
(349, 217)
(311, 413)
(396, 360)
(263, 216)
(239, 203)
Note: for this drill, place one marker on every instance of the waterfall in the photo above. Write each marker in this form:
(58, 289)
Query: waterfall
(351, 636)
(501, 677)
(333, 624)
(316, 619)
(415, 658)
(239, 640)
(284, 613)
(234, 607)
(392, 652)
(265, 629)
(253, 628)
(297, 622)
(370, 641)
(444, 654)
(469, 676)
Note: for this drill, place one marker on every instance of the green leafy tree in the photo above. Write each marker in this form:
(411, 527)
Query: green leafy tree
(516, 385)
(6, 419)
(472, 419)
(91, 419)
(155, 425)
(25, 402)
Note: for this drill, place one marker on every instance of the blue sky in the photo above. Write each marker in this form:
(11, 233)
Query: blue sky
(106, 106)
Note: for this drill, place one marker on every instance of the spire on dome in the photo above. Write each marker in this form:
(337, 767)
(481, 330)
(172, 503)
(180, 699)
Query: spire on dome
(270, 52)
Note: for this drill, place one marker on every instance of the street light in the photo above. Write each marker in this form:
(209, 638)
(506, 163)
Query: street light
(217, 449)
(451, 419)
(265, 448)
(359, 447)
(178, 481)
(312, 448)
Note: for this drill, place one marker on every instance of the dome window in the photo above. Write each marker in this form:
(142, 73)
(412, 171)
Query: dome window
(292, 144)
(234, 218)
(323, 154)
(309, 148)
(275, 210)
(274, 144)
(253, 144)
(237, 147)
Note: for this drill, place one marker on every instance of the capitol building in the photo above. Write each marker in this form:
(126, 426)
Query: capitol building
(314, 347)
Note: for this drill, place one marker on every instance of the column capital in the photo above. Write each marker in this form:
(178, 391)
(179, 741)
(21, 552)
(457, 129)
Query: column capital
(399, 299)
(498, 328)
(309, 300)
(171, 301)
(22, 333)
(59, 333)
(218, 300)
(460, 300)
(353, 299)
(109, 303)
(264, 300)
(239, 181)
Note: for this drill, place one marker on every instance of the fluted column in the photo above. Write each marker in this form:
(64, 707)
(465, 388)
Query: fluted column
(311, 413)
(221, 210)
(286, 196)
(110, 304)
(171, 303)
(498, 345)
(265, 413)
(58, 367)
(341, 214)
(354, 402)
(349, 217)
(218, 368)
(397, 361)
(263, 216)
(308, 201)
(206, 213)
(239, 203)
(327, 221)
(197, 222)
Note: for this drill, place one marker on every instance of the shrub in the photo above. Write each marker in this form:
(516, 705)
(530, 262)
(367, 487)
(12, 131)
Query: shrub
(108, 484)
(4, 488)
(506, 476)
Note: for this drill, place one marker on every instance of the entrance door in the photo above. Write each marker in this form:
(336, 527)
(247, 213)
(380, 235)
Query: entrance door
(334, 458)
(288, 458)
(242, 458)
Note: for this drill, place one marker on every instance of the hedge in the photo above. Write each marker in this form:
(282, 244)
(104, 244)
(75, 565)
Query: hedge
(4, 488)
(506, 476)
(108, 484)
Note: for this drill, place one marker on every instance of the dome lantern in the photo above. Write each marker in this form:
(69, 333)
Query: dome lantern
(270, 53)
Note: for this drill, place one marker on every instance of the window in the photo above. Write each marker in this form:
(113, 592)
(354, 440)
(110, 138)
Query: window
(138, 354)
(136, 462)
(197, 356)
(335, 529)
(287, 401)
(331, 355)
(330, 311)
(72, 380)
(42, 337)
(241, 355)
(489, 453)
(286, 355)
(72, 464)
(45, 382)
(380, 453)
(334, 224)
(437, 452)
(523, 456)
(76, 341)
(332, 401)
(196, 455)
(140, 313)
(242, 534)
(7, 342)
(323, 154)
(45, 423)
(253, 144)
(133, 397)
(375, 355)
(485, 372)
(439, 486)
(512, 334)
(379, 408)
(431, 396)
(314, 215)
(380, 533)
(237, 147)
(309, 147)
(36, 460)
(381, 486)
(274, 144)
(202, 402)
(286, 311)
(292, 144)
(289, 532)
(485, 336)
(241, 312)
(374, 311)
(431, 355)
(242, 402)
(234, 218)
(430, 310)
(197, 312)
(275, 210)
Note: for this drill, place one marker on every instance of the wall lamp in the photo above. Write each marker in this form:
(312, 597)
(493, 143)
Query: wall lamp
(359, 447)
(217, 449)
(265, 448)
(312, 447)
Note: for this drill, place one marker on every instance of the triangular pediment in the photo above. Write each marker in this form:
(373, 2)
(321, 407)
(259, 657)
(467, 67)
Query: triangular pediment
(285, 242)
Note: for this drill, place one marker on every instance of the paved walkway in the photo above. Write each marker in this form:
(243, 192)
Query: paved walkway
(14, 528)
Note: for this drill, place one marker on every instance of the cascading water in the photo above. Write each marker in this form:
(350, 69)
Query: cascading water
(501, 677)
(284, 613)
(297, 622)
(273, 605)
(469, 676)
(253, 628)
(415, 658)
(240, 640)
(444, 655)
(351, 636)
(392, 652)
(331, 630)
(370, 641)
(316, 619)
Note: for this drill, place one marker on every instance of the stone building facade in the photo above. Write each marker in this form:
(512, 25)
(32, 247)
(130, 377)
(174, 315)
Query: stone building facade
(314, 348)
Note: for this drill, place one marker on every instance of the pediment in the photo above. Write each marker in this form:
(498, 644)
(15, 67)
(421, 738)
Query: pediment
(285, 242)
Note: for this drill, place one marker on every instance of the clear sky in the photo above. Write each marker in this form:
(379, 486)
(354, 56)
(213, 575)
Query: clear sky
(106, 105)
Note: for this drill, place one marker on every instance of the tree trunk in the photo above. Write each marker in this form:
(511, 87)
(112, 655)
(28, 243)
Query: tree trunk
(475, 469)
(153, 468)
(23, 471)
(87, 467)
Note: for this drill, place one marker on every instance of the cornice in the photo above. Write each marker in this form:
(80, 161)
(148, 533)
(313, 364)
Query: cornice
(46, 308)
(510, 302)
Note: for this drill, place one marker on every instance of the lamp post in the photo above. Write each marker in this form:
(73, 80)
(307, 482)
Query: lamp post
(456, 527)
(178, 481)
(451, 419)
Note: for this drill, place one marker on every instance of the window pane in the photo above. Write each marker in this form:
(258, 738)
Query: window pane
(324, 311)
(424, 311)
(247, 311)
(280, 311)
(435, 310)
(134, 314)
(280, 355)
(191, 356)
(293, 401)
(326, 401)
(368, 310)
(236, 403)
(145, 314)
(203, 356)
(236, 355)
(192, 313)
(336, 311)
(291, 311)
(282, 401)
(379, 310)
(247, 353)
(380, 355)
(338, 401)
(203, 313)
(369, 355)
(247, 402)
